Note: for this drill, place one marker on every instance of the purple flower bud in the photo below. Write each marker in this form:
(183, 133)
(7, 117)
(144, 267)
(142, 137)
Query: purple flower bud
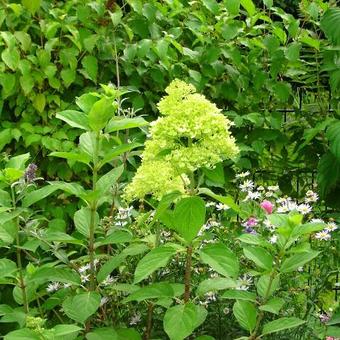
(30, 172)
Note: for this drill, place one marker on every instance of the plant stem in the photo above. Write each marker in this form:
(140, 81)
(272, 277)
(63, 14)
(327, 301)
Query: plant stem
(187, 275)
(93, 208)
(19, 261)
(21, 275)
(149, 321)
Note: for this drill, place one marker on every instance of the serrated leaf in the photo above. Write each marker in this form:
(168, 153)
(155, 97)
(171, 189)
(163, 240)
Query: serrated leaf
(239, 295)
(260, 256)
(298, 260)
(155, 259)
(221, 259)
(189, 217)
(81, 306)
(245, 313)
(281, 324)
(74, 118)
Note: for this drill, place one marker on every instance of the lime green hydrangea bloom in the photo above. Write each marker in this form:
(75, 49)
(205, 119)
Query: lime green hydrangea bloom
(192, 134)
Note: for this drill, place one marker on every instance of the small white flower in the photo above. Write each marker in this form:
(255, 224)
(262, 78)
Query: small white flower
(84, 278)
(210, 297)
(52, 287)
(273, 239)
(269, 225)
(273, 188)
(260, 188)
(135, 319)
(109, 280)
(83, 269)
(331, 226)
(244, 282)
(67, 285)
(269, 194)
(311, 196)
(247, 185)
(104, 300)
(252, 195)
(242, 174)
(222, 206)
(316, 220)
(282, 209)
(210, 204)
(304, 209)
(300, 269)
(323, 235)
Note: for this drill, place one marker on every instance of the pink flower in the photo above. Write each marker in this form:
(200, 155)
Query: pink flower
(267, 206)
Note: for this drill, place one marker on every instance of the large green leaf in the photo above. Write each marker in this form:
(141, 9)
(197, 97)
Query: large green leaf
(82, 220)
(330, 24)
(328, 173)
(80, 307)
(156, 258)
(181, 320)
(273, 305)
(260, 256)
(101, 112)
(102, 334)
(239, 295)
(281, 324)
(152, 291)
(38, 195)
(333, 135)
(74, 118)
(105, 182)
(298, 260)
(245, 313)
(215, 284)
(109, 266)
(189, 217)
(72, 156)
(221, 259)
(117, 124)
(22, 334)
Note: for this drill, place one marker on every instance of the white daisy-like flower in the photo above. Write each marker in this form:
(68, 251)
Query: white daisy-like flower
(331, 226)
(304, 209)
(222, 206)
(242, 174)
(247, 185)
(52, 287)
(210, 204)
(269, 194)
(323, 235)
(260, 188)
(273, 188)
(273, 239)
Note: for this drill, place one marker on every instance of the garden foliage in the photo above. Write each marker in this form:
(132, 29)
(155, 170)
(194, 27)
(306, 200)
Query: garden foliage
(169, 169)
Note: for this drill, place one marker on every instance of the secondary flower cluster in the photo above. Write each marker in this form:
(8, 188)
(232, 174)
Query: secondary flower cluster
(191, 134)
(268, 199)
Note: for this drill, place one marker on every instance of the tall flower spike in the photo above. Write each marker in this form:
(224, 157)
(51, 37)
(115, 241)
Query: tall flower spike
(192, 133)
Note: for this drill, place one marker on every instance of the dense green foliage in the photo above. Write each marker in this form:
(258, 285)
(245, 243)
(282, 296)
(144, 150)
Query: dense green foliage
(205, 251)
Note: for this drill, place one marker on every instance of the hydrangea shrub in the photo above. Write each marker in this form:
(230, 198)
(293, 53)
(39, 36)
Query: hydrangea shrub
(192, 133)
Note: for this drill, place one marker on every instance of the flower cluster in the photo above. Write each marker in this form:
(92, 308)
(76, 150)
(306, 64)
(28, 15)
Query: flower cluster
(192, 134)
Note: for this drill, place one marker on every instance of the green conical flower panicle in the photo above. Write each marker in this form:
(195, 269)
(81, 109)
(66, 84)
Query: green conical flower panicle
(192, 133)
